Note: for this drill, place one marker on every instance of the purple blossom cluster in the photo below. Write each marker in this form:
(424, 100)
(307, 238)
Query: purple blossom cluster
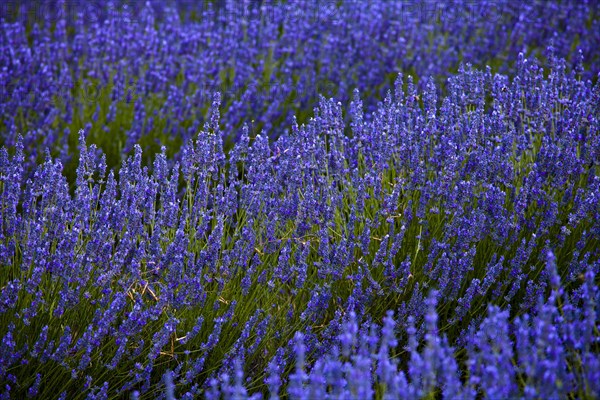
(302, 199)
(145, 70)
(529, 357)
(465, 221)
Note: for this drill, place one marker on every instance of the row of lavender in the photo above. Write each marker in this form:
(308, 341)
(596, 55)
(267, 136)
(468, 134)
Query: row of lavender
(210, 267)
(532, 357)
(133, 72)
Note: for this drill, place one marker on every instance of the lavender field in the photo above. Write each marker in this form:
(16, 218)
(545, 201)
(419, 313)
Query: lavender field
(301, 199)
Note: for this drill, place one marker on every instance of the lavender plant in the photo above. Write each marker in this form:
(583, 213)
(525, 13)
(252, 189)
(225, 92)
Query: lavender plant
(423, 236)
(144, 73)
(220, 268)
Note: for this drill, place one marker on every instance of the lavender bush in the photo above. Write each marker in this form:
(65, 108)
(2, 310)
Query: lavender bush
(142, 73)
(432, 235)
